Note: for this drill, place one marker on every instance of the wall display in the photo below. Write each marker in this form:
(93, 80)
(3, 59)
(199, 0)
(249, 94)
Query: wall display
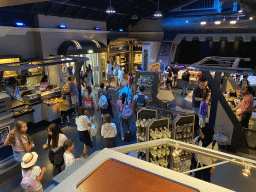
(150, 80)
(183, 130)
(144, 116)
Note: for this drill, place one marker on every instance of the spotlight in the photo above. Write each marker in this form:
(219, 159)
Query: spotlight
(217, 22)
(203, 23)
(246, 172)
(158, 14)
(63, 26)
(20, 24)
(251, 18)
(240, 11)
(186, 21)
(232, 22)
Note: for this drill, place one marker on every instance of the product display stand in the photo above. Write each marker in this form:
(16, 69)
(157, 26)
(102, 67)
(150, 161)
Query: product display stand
(183, 130)
(143, 117)
(150, 80)
(158, 129)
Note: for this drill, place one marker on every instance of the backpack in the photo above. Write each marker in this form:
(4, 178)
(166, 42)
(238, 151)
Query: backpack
(184, 76)
(88, 102)
(213, 142)
(127, 111)
(29, 184)
(103, 102)
(115, 71)
(141, 100)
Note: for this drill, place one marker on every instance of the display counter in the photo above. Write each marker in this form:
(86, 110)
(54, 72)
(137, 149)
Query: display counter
(50, 109)
(22, 112)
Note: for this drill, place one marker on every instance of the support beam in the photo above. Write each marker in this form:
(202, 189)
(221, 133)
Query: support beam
(5, 3)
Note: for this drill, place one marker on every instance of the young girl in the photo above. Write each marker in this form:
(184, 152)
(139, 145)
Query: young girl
(69, 158)
(19, 141)
(64, 109)
(55, 142)
(90, 100)
(203, 110)
(83, 126)
(31, 173)
(120, 104)
(130, 79)
(108, 132)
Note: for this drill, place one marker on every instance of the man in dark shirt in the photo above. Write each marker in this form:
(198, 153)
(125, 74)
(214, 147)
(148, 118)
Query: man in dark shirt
(110, 103)
(197, 97)
(175, 71)
(186, 82)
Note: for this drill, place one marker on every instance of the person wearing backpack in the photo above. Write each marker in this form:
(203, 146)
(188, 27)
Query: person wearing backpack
(90, 100)
(106, 103)
(31, 174)
(186, 79)
(205, 139)
(244, 83)
(169, 75)
(127, 91)
(140, 100)
(125, 113)
(115, 73)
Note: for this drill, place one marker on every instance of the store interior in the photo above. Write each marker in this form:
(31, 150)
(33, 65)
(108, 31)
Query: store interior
(62, 38)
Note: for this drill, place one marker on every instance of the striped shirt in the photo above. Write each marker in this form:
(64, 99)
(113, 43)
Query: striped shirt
(19, 147)
(246, 105)
(72, 88)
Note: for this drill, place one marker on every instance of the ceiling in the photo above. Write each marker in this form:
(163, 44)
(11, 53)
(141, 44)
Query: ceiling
(87, 9)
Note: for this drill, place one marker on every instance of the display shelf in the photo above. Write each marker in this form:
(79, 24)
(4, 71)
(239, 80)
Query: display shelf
(183, 130)
(143, 117)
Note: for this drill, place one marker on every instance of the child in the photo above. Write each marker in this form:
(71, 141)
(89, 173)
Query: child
(203, 110)
(108, 132)
(31, 174)
(64, 108)
(69, 158)
(130, 79)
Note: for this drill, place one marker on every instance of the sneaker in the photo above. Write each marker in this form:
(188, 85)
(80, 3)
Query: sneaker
(69, 122)
(61, 122)
(123, 138)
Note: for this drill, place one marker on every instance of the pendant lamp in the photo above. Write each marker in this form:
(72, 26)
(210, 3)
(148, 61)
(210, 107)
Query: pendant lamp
(110, 10)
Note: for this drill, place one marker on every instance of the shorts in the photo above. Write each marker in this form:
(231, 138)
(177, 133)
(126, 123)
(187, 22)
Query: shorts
(64, 113)
(74, 99)
(175, 78)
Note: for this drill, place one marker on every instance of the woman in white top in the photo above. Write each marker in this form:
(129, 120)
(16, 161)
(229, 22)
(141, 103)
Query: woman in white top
(83, 127)
(205, 139)
(108, 132)
(120, 76)
(55, 142)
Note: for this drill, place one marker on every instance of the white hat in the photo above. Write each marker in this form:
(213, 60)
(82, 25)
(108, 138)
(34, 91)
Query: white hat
(29, 159)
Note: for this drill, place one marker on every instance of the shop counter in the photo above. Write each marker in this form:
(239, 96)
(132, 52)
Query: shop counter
(50, 110)
(109, 170)
(22, 112)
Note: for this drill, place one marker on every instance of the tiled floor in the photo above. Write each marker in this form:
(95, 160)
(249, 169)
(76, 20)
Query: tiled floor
(227, 175)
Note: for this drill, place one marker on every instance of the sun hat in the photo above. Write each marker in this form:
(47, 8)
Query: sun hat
(29, 159)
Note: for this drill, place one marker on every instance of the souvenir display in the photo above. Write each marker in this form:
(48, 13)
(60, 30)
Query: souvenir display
(183, 131)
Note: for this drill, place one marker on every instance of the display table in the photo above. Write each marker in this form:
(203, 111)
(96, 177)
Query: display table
(50, 111)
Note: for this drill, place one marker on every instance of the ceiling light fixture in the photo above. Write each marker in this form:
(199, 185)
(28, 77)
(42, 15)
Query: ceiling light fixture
(203, 23)
(135, 17)
(186, 21)
(217, 22)
(251, 18)
(158, 13)
(110, 10)
(246, 172)
(232, 22)
(240, 11)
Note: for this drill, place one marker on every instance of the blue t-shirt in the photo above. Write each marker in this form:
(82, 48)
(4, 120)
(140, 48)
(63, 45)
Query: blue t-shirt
(203, 108)
(128, 92)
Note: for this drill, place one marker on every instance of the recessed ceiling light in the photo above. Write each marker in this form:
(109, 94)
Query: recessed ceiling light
(203, 23)
(217, 22)
(251, 18)
(232, 22)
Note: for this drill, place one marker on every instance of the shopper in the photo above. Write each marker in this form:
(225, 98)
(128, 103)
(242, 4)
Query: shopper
(55, 143)
(12, 89)
(90, 100)
(205, 139)
(90, 76)
(244, 83)
(203, 110)
(246, 107)
(109, 73)
(111, 105)
(72, 88)
(237, 79)
(127, 91)
(115, 73)
(108, 132)
(70, 69)
(31, 173)
(197, 97)
(69, 158)
(123, 121)
(168, 75)
(83, 127)
(140, 100)
(130, 80)
(120, 76)
(44, 83)
(19, 140)
(175, 71)
(186, 79)
(64, 105)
